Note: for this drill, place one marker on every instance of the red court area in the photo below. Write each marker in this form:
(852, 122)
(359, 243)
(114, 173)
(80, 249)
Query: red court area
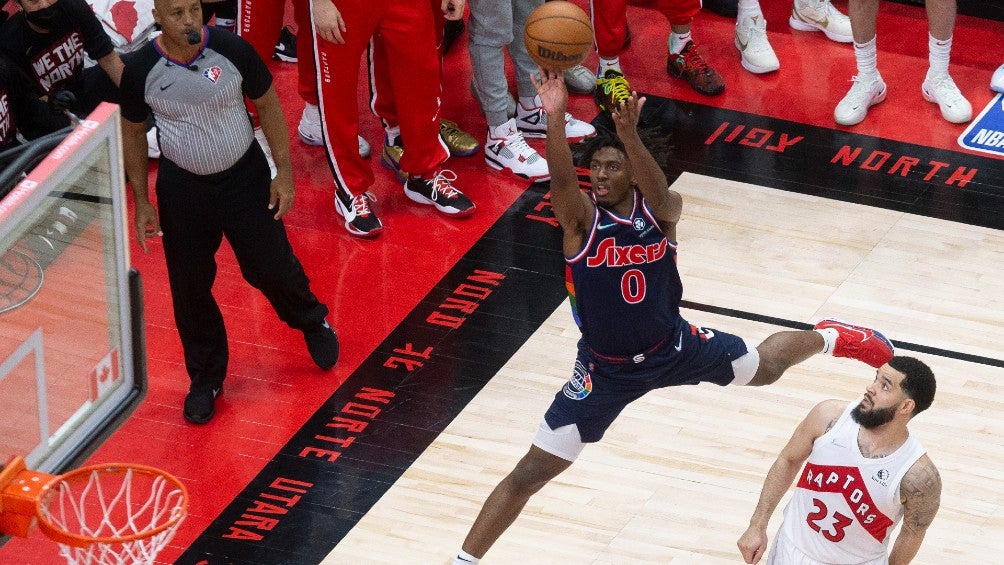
(370, 285)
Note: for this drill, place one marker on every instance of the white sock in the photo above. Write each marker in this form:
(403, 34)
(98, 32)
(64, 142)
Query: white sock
(748, 8)
(464, 558)
(611, 63)
(829, 339)
(393, 133)
(938, 52)
(677, 41)
(866, 55)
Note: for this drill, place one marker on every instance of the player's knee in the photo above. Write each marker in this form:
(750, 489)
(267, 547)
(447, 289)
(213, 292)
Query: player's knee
(534, 471)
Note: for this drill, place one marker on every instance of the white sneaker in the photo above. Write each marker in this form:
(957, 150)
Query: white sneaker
(751, 41)
(152, 143)
(997, 81)
(310, 130)
(533, 123)
(854, 107)
(942, 91)
(260, 136)
(820, 15)
(580, 80)
(510, 153)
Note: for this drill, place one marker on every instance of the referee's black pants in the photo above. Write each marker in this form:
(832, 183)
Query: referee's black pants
(196, 212)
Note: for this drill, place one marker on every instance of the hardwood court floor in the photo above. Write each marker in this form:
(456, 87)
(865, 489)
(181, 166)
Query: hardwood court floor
(677, 476)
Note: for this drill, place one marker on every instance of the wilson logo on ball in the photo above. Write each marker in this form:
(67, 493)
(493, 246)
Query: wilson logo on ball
(558, 35)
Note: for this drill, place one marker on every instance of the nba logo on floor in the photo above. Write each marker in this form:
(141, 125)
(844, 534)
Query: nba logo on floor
(986, 132)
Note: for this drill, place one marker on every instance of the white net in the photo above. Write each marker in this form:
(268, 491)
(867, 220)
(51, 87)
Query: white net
(113, 515)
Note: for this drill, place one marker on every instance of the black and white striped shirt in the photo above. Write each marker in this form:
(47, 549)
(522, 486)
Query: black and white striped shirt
(199, 104)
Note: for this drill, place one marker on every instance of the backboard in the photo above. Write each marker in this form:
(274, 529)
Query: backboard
(71, 362)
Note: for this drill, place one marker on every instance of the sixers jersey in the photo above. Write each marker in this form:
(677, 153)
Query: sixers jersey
(624, 286)
(845, 505)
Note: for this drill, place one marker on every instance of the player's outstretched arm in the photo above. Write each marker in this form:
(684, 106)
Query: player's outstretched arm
(573, 209)
(753, 543)
(666, 204)
(920, 490)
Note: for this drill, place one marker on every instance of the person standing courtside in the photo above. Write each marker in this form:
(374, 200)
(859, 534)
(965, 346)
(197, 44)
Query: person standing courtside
(343, 29)
(864, 473)
(625, 289)
(47, 39)
(213, 181)
(869, 89)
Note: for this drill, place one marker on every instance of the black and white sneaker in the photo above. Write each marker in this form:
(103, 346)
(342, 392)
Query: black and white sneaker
(322, 343)
(200, 405)
(440, 192)
(285, 50)
(360, 220)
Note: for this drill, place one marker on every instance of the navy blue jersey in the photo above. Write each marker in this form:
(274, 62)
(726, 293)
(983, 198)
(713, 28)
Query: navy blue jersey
(624, 285)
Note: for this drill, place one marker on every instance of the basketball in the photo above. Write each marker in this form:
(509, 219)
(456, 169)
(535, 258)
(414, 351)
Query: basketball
(558, 35)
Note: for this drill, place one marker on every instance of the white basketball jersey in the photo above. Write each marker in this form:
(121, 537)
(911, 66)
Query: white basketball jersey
(845, 505)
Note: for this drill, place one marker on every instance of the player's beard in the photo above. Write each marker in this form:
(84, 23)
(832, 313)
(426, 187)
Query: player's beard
(871, 419)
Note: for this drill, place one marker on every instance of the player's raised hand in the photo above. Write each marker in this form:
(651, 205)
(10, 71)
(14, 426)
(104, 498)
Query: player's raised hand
(328, 20)
(752, 544)
(147, 224)
(627, 113)
(553, 94)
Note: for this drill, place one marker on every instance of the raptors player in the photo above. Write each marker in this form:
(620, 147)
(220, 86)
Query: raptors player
(620, 248)
(863, 473)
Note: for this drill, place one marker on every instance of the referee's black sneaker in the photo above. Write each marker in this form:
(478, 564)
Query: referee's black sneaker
(285, 50)
(322, 343)
(360, 219)
(200, 405)
(440, 192)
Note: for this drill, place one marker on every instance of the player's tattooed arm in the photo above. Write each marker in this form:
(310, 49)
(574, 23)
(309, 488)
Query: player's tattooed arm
(920, 491)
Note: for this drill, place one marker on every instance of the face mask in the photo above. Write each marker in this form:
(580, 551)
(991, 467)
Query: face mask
(44, 18)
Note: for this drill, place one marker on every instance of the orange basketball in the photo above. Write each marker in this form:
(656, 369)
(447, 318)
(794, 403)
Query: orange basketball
(558, 35)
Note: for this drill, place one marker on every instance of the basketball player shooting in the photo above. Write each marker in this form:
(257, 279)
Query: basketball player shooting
(619, 242)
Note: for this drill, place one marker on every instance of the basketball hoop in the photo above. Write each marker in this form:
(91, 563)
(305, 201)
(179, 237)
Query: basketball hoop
(100, 514)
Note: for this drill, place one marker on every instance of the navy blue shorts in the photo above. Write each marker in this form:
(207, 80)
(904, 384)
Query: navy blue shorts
(600, 387)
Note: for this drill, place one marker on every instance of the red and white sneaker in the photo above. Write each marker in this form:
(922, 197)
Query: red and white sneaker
(857, 342)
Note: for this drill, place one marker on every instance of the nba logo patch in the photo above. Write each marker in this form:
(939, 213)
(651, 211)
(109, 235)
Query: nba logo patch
(986, 132)
(213, 74)
(639, 224)
(580, 385)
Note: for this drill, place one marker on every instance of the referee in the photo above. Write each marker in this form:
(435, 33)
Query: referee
(214, 181)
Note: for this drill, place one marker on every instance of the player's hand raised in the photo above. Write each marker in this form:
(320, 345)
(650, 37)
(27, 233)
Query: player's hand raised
(553, 94)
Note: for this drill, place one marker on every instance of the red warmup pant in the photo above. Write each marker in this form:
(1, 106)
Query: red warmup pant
(260, 26)
(610, 19)
(407, 30)
(381, 91)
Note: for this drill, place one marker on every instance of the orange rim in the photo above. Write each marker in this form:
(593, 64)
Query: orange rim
(59, 535)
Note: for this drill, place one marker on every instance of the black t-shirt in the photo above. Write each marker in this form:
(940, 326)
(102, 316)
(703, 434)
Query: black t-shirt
(55, 58)
(20, 108)
(199, 104)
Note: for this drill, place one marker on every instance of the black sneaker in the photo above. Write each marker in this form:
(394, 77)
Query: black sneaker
(440, 192)
(322, 343)
(285, 50)
(360, 220)
(200, 405)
